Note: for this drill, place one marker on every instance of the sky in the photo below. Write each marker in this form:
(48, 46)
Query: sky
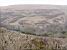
(14, 2)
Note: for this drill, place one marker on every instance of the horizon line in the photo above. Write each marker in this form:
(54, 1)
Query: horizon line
(33, 4)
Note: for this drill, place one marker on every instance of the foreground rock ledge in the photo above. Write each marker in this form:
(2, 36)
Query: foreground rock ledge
(12, 40)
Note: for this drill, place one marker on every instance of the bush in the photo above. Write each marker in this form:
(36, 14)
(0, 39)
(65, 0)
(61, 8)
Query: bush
(63, 32)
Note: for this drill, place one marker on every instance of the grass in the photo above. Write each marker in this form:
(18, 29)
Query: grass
(39, 43)
(44, 45)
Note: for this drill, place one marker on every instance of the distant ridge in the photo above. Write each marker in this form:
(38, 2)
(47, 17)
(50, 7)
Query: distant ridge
(34, 6)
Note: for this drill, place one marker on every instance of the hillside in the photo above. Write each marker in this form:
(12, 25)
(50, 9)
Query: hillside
(33, 27)
(12, 40)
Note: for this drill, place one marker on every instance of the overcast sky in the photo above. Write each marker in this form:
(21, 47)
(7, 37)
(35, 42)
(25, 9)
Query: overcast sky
(12, 2)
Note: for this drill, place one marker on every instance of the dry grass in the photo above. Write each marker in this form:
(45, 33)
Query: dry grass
(11, 40)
